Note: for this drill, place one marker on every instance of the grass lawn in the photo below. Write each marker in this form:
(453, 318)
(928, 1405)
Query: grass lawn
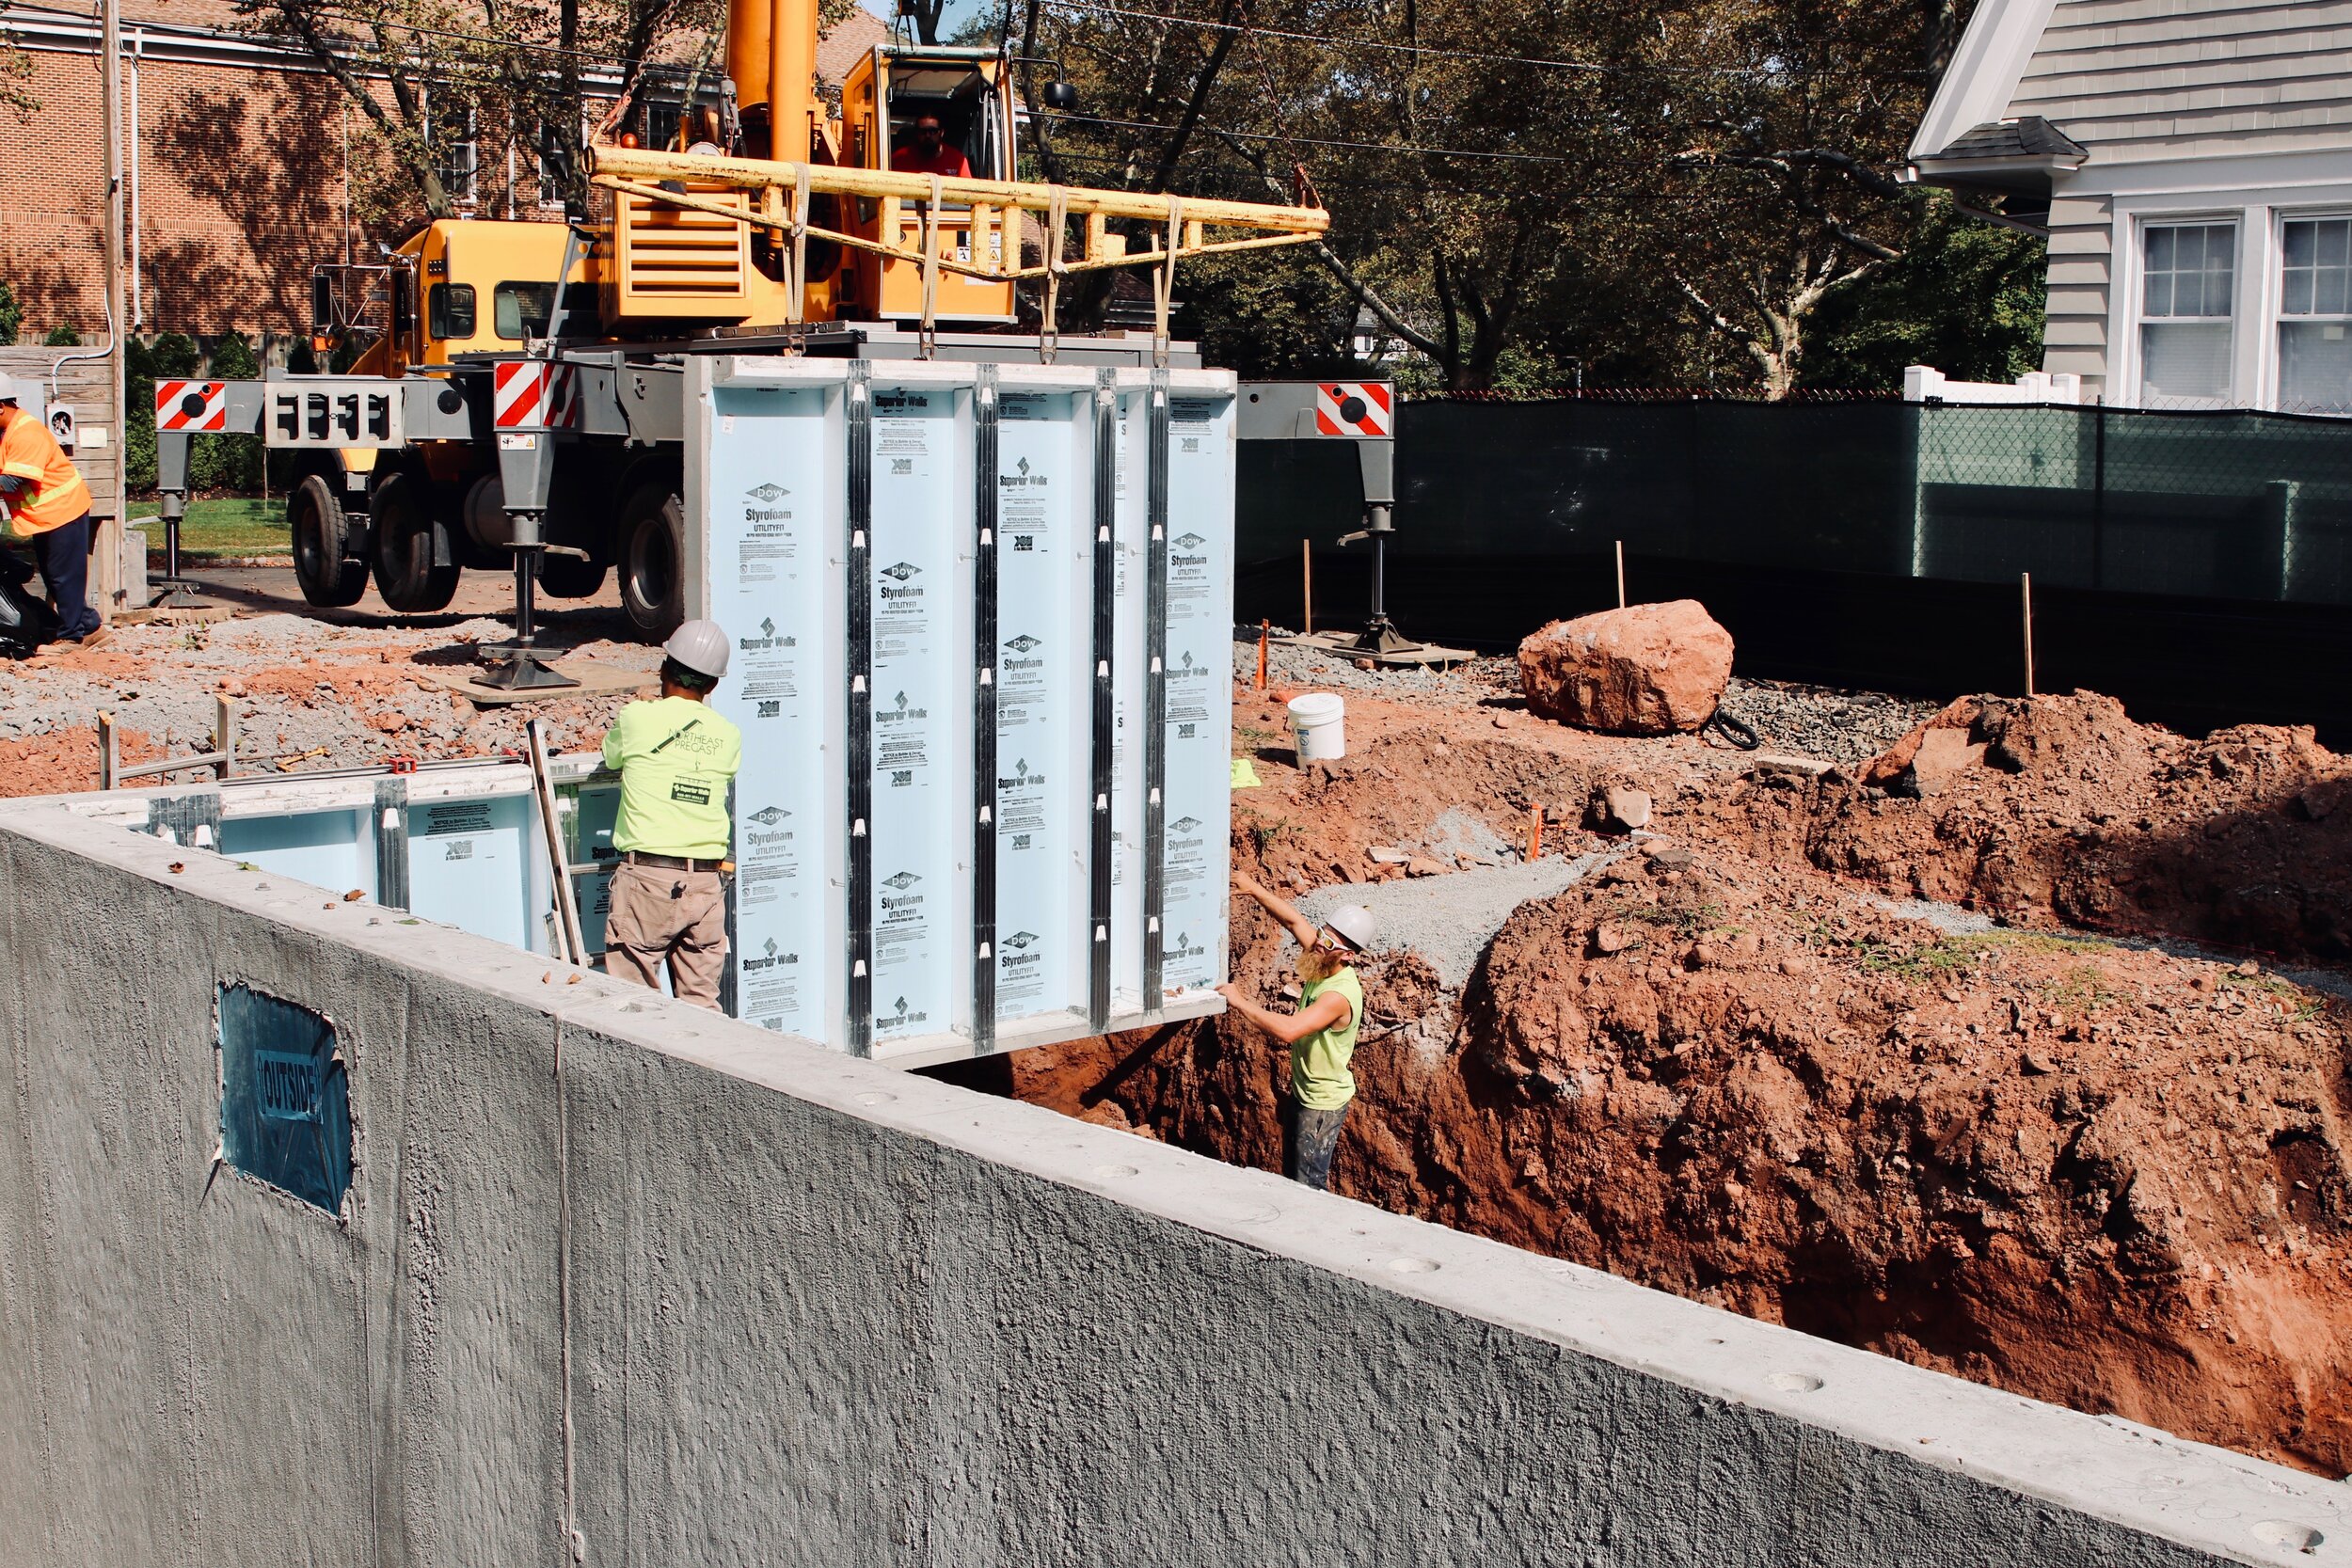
(222, 526)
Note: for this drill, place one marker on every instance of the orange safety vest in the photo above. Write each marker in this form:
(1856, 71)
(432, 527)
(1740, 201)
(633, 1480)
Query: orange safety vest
(52, 493)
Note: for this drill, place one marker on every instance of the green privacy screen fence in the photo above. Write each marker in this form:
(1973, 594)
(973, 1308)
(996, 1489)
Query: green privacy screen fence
(1865, 543)
(2204, 505)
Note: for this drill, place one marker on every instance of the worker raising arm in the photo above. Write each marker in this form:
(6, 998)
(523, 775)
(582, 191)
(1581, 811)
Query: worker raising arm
(1320, 1034)
(675, 758)
(45, 504)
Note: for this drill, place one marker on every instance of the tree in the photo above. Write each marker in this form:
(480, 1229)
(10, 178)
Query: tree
(427, 80)
(11, 314)
(1792, 117)
(16, 69)
(1966, 297)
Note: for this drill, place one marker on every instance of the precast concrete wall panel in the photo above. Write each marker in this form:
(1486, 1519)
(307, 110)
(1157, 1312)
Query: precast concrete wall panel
(984, 692)
(621, 1282)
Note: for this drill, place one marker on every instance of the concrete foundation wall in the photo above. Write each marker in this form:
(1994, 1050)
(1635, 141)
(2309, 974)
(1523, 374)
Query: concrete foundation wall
(614, 1267)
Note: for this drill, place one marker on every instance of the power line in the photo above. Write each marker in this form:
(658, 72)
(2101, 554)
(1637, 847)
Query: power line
(1084, 119)
(1483, 55)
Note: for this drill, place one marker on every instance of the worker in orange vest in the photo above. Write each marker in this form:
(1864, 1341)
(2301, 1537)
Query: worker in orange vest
(45, 502)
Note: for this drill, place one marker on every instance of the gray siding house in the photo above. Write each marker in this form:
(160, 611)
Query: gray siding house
(2195, 161)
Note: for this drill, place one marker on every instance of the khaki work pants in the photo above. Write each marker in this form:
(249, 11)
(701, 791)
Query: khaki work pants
(680, 916)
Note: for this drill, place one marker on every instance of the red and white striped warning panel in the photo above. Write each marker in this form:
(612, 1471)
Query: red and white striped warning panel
(535, 394)
(1352, 409)
(191, 405)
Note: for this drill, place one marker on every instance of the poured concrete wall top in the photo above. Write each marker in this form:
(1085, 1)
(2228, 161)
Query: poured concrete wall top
(623, 1283)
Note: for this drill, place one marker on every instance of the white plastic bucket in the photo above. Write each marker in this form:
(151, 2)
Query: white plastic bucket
(1319, 719)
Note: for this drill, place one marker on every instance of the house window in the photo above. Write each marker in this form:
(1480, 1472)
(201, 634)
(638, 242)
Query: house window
(456, 156)
(550, 165)
(2187, 278)
(2316, 316)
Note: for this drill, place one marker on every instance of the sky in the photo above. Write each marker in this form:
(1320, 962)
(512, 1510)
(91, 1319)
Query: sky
(957, 13)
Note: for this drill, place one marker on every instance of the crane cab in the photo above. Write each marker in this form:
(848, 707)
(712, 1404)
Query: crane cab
(882, 97)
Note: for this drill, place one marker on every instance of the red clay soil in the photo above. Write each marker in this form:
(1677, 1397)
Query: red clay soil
(64, 761)
(2088, 1172)
(2063, 810)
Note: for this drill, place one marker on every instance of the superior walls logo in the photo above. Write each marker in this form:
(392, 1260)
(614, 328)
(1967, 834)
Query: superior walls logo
(1020, 478)
(770, 957)
(1183, 947)
(1020, 778)
(900, 1016)
(767, 639)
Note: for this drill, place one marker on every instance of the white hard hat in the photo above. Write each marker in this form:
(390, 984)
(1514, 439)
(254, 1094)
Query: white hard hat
(1352, 925)
(10, 390)
(701, 646)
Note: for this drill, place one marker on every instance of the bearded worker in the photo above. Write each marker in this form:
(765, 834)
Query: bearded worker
(1321, 1033)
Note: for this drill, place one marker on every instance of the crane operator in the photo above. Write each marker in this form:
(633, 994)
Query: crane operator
(929, 153)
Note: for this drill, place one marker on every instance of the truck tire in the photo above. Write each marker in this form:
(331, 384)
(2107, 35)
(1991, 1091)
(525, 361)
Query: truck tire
(653, 559)
(568, 577)
(323, 564)
(408, 539)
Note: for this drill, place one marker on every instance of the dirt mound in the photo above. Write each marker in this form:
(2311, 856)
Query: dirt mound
(2050, 809)
(2088, 1173)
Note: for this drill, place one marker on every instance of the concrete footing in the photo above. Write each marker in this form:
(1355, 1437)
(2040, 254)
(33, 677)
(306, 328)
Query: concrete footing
(617, 1282)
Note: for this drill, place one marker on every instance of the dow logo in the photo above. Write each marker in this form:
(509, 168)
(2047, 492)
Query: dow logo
(902, 570)
(1184, 824)
(1023, 643)
(769, 492)
(902, 881)
(1189, 541)
(768, 816)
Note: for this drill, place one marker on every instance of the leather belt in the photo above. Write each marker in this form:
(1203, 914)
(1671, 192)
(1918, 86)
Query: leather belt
(667, 863)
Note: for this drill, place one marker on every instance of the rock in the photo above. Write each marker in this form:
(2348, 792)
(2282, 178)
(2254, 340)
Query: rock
(1419, 866)
(1652, 669)
(1625, 808)
(1942, 756)
(1384, 854)
(1612, 939)
(1671, 857)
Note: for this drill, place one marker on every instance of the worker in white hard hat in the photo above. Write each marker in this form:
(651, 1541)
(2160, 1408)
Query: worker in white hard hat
(1321, 1033)
(678, 760)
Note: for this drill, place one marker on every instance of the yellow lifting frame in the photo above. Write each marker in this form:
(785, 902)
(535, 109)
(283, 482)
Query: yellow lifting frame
(636, 171)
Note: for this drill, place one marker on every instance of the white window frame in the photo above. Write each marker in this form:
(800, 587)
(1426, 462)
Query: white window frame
(2136, 316)
(2275, 296)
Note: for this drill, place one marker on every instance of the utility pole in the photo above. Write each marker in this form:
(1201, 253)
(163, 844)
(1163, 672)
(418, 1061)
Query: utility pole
(110, 98)
(107, 539)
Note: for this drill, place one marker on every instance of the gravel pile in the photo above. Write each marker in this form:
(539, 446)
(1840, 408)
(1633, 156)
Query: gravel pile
(1822, 721)
(1450, 920)
(1320, 671)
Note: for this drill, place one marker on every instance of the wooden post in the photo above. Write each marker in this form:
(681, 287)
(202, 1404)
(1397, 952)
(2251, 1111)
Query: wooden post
(105, 566)
(1266, 632)
(1307, 587)
(1535, 831)
(1620, 574)
(224, 737)
(109, 761)
(2025, 589)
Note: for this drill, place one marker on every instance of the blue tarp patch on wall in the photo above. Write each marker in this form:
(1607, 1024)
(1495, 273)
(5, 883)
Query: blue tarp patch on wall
(285, 1101)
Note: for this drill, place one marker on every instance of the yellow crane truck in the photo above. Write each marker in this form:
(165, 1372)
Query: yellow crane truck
(493, 413)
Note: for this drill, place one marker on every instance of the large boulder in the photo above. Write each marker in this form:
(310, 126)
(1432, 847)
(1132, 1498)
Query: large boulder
(1649, 669)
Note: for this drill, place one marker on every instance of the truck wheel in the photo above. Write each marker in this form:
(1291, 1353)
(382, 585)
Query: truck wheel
(322, 545)
(653, 560)
(408, 538)
(568, 577)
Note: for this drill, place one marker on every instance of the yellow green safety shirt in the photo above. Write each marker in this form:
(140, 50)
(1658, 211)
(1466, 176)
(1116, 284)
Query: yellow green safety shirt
(675, 758)
(1319, 1077)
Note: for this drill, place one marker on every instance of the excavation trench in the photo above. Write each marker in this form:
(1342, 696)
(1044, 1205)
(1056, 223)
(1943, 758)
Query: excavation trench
(1730, 1058)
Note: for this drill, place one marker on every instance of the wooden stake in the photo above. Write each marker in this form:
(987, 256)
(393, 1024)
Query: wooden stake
(1620, 574)
(224, 737)
(1265, 632)
(1535, 831)
(1307, 587)
(109, 759)
(2024, 589)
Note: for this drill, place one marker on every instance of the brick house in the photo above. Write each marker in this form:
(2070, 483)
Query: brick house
(236, 159)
